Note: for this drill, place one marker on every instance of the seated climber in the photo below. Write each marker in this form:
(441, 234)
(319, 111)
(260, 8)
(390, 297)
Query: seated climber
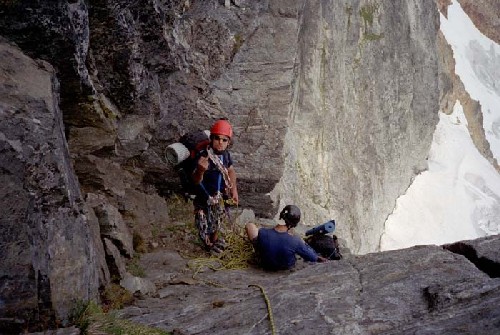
(277, 247)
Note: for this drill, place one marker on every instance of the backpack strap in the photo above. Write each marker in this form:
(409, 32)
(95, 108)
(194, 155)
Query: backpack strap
(220, 166)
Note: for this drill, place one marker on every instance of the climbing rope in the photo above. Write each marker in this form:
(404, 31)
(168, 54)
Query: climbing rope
(268, 304)
(220, 166)
(238, 254)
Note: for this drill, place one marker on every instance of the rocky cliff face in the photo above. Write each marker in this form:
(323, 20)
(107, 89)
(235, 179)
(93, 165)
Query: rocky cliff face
(333, 104)
(296, 79)
(366, 101)
(49, 247)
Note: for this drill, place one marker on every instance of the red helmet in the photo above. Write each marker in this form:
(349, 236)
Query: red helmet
(222, 127)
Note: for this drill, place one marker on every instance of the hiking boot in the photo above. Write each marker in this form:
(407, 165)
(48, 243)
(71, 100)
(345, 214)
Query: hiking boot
(215, 251)
(220, 244)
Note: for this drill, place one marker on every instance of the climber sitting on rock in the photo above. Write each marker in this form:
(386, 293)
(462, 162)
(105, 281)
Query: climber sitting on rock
(277, 247)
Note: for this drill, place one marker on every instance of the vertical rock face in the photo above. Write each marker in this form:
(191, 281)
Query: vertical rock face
(136, 76)
(178, 66)
(333, 105)
(338, 101)
(256, 91)
(48, 254)
(364, 112)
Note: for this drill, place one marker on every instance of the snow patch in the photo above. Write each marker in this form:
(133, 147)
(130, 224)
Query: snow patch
(458, 198)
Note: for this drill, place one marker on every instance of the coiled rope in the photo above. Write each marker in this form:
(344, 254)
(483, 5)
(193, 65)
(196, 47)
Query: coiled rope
(237, 255)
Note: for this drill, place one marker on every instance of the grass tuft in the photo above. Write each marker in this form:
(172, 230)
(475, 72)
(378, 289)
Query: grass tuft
(90, 319)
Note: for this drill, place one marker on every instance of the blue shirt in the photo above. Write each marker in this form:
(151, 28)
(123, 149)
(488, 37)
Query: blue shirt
(277, 250)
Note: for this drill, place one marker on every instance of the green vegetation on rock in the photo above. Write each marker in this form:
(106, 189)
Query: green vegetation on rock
(367, 13)
(90, 319)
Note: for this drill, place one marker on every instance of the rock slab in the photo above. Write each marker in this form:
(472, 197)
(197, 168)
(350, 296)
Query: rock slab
(420, 290)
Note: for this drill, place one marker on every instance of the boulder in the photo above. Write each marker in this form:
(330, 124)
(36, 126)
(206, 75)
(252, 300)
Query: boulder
(49, 254)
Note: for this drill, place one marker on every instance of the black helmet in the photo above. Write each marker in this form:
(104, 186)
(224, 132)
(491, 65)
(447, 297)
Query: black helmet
(291, 215)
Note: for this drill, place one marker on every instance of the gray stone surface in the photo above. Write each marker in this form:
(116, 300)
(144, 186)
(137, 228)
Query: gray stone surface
(114, 228)
(114, 260)
(361, 123)
(420, 290)
(297, 80)
(48, 254)
(333, 106)
(62, 331)
(138, 285)
(484, 253)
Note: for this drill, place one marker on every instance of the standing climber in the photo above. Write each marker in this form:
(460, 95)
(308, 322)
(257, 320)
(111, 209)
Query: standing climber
(216, 178)
(277, 247)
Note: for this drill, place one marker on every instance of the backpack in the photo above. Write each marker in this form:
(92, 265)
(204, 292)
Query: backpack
(324, 245)
(184, 156)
